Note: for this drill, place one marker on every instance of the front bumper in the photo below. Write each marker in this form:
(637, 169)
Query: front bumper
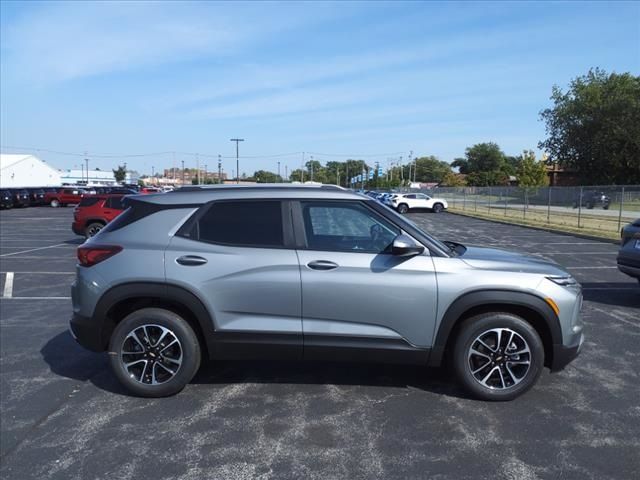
(564, 354)
(85, 331)
(77, 230)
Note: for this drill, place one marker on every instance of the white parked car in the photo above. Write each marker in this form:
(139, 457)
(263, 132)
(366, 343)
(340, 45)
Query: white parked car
(403, 202)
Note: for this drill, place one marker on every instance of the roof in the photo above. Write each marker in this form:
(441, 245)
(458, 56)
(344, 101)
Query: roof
(8, 159)
(203, 194)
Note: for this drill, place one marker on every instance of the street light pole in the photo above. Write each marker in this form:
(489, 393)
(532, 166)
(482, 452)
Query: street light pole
(183, 173)
(279, 178)
(237, 140)
(86, 159)
(205, 173)
(219, 168)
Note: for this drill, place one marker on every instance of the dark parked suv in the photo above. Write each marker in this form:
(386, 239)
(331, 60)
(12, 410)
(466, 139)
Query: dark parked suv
(312, 272)
(591, 199)
(629, 254)
(6, 199)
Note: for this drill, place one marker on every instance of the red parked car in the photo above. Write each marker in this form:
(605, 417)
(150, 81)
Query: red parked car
(94, 212)
(64, 196)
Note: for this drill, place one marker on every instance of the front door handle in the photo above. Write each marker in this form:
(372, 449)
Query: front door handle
(322, 265)
(191, 260)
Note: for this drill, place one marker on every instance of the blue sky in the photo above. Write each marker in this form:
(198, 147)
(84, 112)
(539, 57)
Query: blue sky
(366, 79)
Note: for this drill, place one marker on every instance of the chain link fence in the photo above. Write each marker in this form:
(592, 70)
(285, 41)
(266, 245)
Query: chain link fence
(593, 208)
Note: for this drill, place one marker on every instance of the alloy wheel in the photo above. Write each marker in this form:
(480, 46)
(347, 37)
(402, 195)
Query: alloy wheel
(499, 358)
(151, 354)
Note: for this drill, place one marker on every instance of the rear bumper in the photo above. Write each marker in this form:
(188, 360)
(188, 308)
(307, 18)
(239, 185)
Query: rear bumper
(86, 333)
(629, 264)
(76, 229)
(564, 354)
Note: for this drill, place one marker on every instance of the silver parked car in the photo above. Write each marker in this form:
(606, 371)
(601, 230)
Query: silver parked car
(311, 272)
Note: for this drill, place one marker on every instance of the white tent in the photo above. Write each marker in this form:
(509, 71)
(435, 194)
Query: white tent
(19, 170)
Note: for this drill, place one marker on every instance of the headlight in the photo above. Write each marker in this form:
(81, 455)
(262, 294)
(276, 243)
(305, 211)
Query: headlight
(566, 281)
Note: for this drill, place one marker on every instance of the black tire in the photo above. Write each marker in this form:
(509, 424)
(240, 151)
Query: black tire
(589, 205)
(438, 207)
(476, 327)
(605, 207)
(92, 229)
(155, 318)
(403, 208)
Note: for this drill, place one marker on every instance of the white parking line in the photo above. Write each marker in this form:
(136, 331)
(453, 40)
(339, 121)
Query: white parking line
(8, 285)
(35, 298)
(45, 273)
(33, 250)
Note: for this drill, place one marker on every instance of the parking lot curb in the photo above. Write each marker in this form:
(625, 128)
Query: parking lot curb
(543, 229)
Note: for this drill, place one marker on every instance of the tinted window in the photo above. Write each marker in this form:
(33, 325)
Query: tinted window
(410, 196)
(88, 201)
(114, 202)
(349, 227)
(243, 223)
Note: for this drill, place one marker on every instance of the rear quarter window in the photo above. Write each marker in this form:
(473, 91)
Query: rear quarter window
(88, 201)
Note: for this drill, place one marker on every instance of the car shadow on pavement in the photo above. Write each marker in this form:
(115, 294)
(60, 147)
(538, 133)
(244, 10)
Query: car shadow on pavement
(68, 359)
(619, 294)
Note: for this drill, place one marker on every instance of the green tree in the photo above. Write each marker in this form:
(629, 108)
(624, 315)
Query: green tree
(264, 176)
(531, 173)
(594, 128)
(484, 157)
(461, 164)
(430, 169)
(120, 173)
(452, 180)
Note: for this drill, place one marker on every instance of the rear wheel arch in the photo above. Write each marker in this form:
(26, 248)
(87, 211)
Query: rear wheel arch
(531, 308)
(121, 300)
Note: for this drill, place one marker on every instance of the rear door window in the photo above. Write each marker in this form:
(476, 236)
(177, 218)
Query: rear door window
(115, 203)
(244, 224)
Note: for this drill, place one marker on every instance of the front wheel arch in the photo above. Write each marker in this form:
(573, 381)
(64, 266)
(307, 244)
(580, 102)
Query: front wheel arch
(531, 308)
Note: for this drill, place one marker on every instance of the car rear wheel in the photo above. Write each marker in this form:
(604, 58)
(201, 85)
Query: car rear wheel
(55, 203)
(497, 356)
(154, 352)
(403, 208)
(438, 207)
(93, 229)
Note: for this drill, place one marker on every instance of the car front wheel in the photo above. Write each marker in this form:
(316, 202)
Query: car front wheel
(438, 207)
(55, 203)
(154, 352)
(497, 356)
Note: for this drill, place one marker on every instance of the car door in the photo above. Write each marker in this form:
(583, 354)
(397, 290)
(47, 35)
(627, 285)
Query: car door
(422, 201)
(354, 291)
(238, 257)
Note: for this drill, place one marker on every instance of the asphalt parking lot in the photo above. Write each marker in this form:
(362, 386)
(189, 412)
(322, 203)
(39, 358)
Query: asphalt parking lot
(64, 416)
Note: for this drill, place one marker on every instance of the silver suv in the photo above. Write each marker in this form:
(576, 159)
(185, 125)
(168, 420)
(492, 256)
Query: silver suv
(311, 272)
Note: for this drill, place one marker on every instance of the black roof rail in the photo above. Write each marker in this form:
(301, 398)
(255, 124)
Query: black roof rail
(264, 186)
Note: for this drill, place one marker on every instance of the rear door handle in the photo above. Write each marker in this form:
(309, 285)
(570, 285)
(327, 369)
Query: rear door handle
(322, 265)
(191, 260)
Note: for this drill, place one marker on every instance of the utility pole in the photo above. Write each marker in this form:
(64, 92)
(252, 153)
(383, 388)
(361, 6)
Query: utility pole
(219, 168)
(279, 179)
(125, 172)
(205, 173)
(198, 168)
(311, 164)
(237, 140)
(401, 172)
(338, 176)
(286, 173)
(182, 172)
(86, 159)
(415, 165)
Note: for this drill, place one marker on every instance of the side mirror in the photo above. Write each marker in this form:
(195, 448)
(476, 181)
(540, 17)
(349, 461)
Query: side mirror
(404, 246)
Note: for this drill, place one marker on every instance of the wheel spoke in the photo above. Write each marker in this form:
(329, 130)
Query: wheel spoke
(484, 380)
(485, 345)
(513, 377)
(476, 352)
(504, 385)
(164, 334)
(170, 344)
(166, 368)
(481, 368)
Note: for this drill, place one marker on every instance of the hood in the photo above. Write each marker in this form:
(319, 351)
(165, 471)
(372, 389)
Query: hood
(497, 259)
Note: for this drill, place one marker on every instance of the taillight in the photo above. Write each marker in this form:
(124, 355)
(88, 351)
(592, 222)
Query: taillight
(93, 254)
